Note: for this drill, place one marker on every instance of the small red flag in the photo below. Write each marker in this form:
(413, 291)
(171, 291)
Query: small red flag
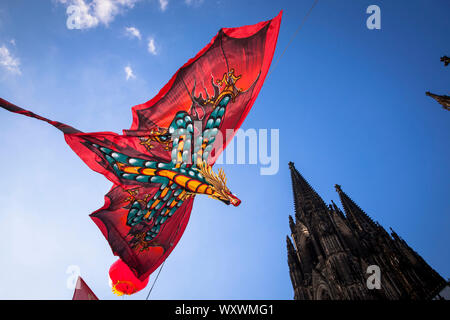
(83, 292)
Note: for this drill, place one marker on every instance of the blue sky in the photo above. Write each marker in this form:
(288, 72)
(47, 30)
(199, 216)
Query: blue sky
(349, 102)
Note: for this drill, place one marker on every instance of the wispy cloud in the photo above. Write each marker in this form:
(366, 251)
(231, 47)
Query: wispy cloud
(193, 2)
(129, 73)
(151, 46)
(85, 14)
(163, 4)
(133, 32)
(8, 61)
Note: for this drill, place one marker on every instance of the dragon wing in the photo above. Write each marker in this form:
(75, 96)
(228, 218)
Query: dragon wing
(246, 52)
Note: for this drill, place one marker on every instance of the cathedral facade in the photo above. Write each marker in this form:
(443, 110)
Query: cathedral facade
(334, 255)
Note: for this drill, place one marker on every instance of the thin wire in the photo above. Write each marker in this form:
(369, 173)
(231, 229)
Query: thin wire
(162, 265)
(148, 295)
(294, 35)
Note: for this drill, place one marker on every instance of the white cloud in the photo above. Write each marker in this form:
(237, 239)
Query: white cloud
(129, 73)
(9, 62)
(133, 32)
(13, 42)
(151, 46)
(193, 2)
(163, 4)
(85, 14)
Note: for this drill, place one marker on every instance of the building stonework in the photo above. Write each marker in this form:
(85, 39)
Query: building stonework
(329, 253)
(442, 99)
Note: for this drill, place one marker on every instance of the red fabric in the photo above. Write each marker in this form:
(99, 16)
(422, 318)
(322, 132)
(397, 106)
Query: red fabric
(249, 51)
(83, 292)
(111, 221)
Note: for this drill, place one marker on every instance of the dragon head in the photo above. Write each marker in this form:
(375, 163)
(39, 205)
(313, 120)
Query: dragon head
(218, 183)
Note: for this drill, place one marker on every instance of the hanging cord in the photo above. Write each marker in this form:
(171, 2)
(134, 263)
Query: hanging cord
(294, 35)
(154, 281)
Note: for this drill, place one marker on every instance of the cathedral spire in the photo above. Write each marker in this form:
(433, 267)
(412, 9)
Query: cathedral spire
(442, 99)
(328, 253)
(354, 213)
(306, 199)
(337, 210)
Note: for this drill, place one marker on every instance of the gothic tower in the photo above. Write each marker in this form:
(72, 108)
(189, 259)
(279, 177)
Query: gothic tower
(330, 253)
